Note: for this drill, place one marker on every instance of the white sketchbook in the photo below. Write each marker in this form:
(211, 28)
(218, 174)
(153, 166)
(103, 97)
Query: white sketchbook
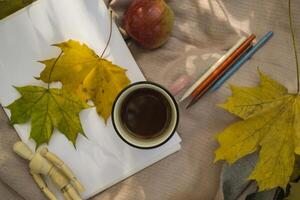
(25, 38)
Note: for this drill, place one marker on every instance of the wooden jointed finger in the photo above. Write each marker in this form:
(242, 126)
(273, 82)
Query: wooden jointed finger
(42, 185)
(72, 193)
(66, 195)
(64, 168)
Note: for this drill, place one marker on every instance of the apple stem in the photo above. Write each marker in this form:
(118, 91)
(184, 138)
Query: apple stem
(294, 44)
(109, 37)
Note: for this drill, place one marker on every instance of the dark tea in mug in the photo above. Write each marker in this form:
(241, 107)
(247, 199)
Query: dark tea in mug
(145, 113)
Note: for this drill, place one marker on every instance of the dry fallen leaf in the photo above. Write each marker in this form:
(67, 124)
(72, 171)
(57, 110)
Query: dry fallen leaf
(82, 71)
(270, 125)
(48, 109)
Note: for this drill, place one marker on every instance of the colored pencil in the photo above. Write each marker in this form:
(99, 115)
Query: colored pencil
(213, 68)
(197, 93)
(241, 61)
(208, 88)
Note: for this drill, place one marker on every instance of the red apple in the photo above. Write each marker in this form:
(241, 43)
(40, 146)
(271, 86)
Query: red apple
(149, 22)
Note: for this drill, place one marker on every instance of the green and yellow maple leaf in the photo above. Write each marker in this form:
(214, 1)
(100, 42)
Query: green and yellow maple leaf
(270, 125)
(82, 71)
(294, 192)
(48, 109)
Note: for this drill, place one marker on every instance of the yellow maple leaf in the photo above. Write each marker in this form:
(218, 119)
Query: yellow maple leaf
(82, 71)
(270, 125)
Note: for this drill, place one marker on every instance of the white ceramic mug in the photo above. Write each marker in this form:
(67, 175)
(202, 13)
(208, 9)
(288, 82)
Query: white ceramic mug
(144, 143)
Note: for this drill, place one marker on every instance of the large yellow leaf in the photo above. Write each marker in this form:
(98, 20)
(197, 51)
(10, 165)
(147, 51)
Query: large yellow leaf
(72, 67)
(103, 84)
(270, 125)
(82, 71)
(48, 109)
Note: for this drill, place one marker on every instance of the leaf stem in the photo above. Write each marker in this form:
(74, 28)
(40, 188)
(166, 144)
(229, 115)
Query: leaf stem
(51, 70)
(107, 43)
(294, 44)
(109, 37)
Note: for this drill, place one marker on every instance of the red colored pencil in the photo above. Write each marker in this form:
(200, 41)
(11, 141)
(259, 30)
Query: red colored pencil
(202, 88)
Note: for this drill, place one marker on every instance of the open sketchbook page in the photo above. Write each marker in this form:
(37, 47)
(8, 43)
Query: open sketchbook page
(102, 158)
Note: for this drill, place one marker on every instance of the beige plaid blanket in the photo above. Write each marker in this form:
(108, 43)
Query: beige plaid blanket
(203, 31)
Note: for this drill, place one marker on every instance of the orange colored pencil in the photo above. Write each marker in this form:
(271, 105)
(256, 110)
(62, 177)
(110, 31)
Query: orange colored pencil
(223, 66)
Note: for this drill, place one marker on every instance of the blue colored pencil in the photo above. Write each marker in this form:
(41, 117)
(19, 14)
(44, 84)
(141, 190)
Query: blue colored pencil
(241, 61)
